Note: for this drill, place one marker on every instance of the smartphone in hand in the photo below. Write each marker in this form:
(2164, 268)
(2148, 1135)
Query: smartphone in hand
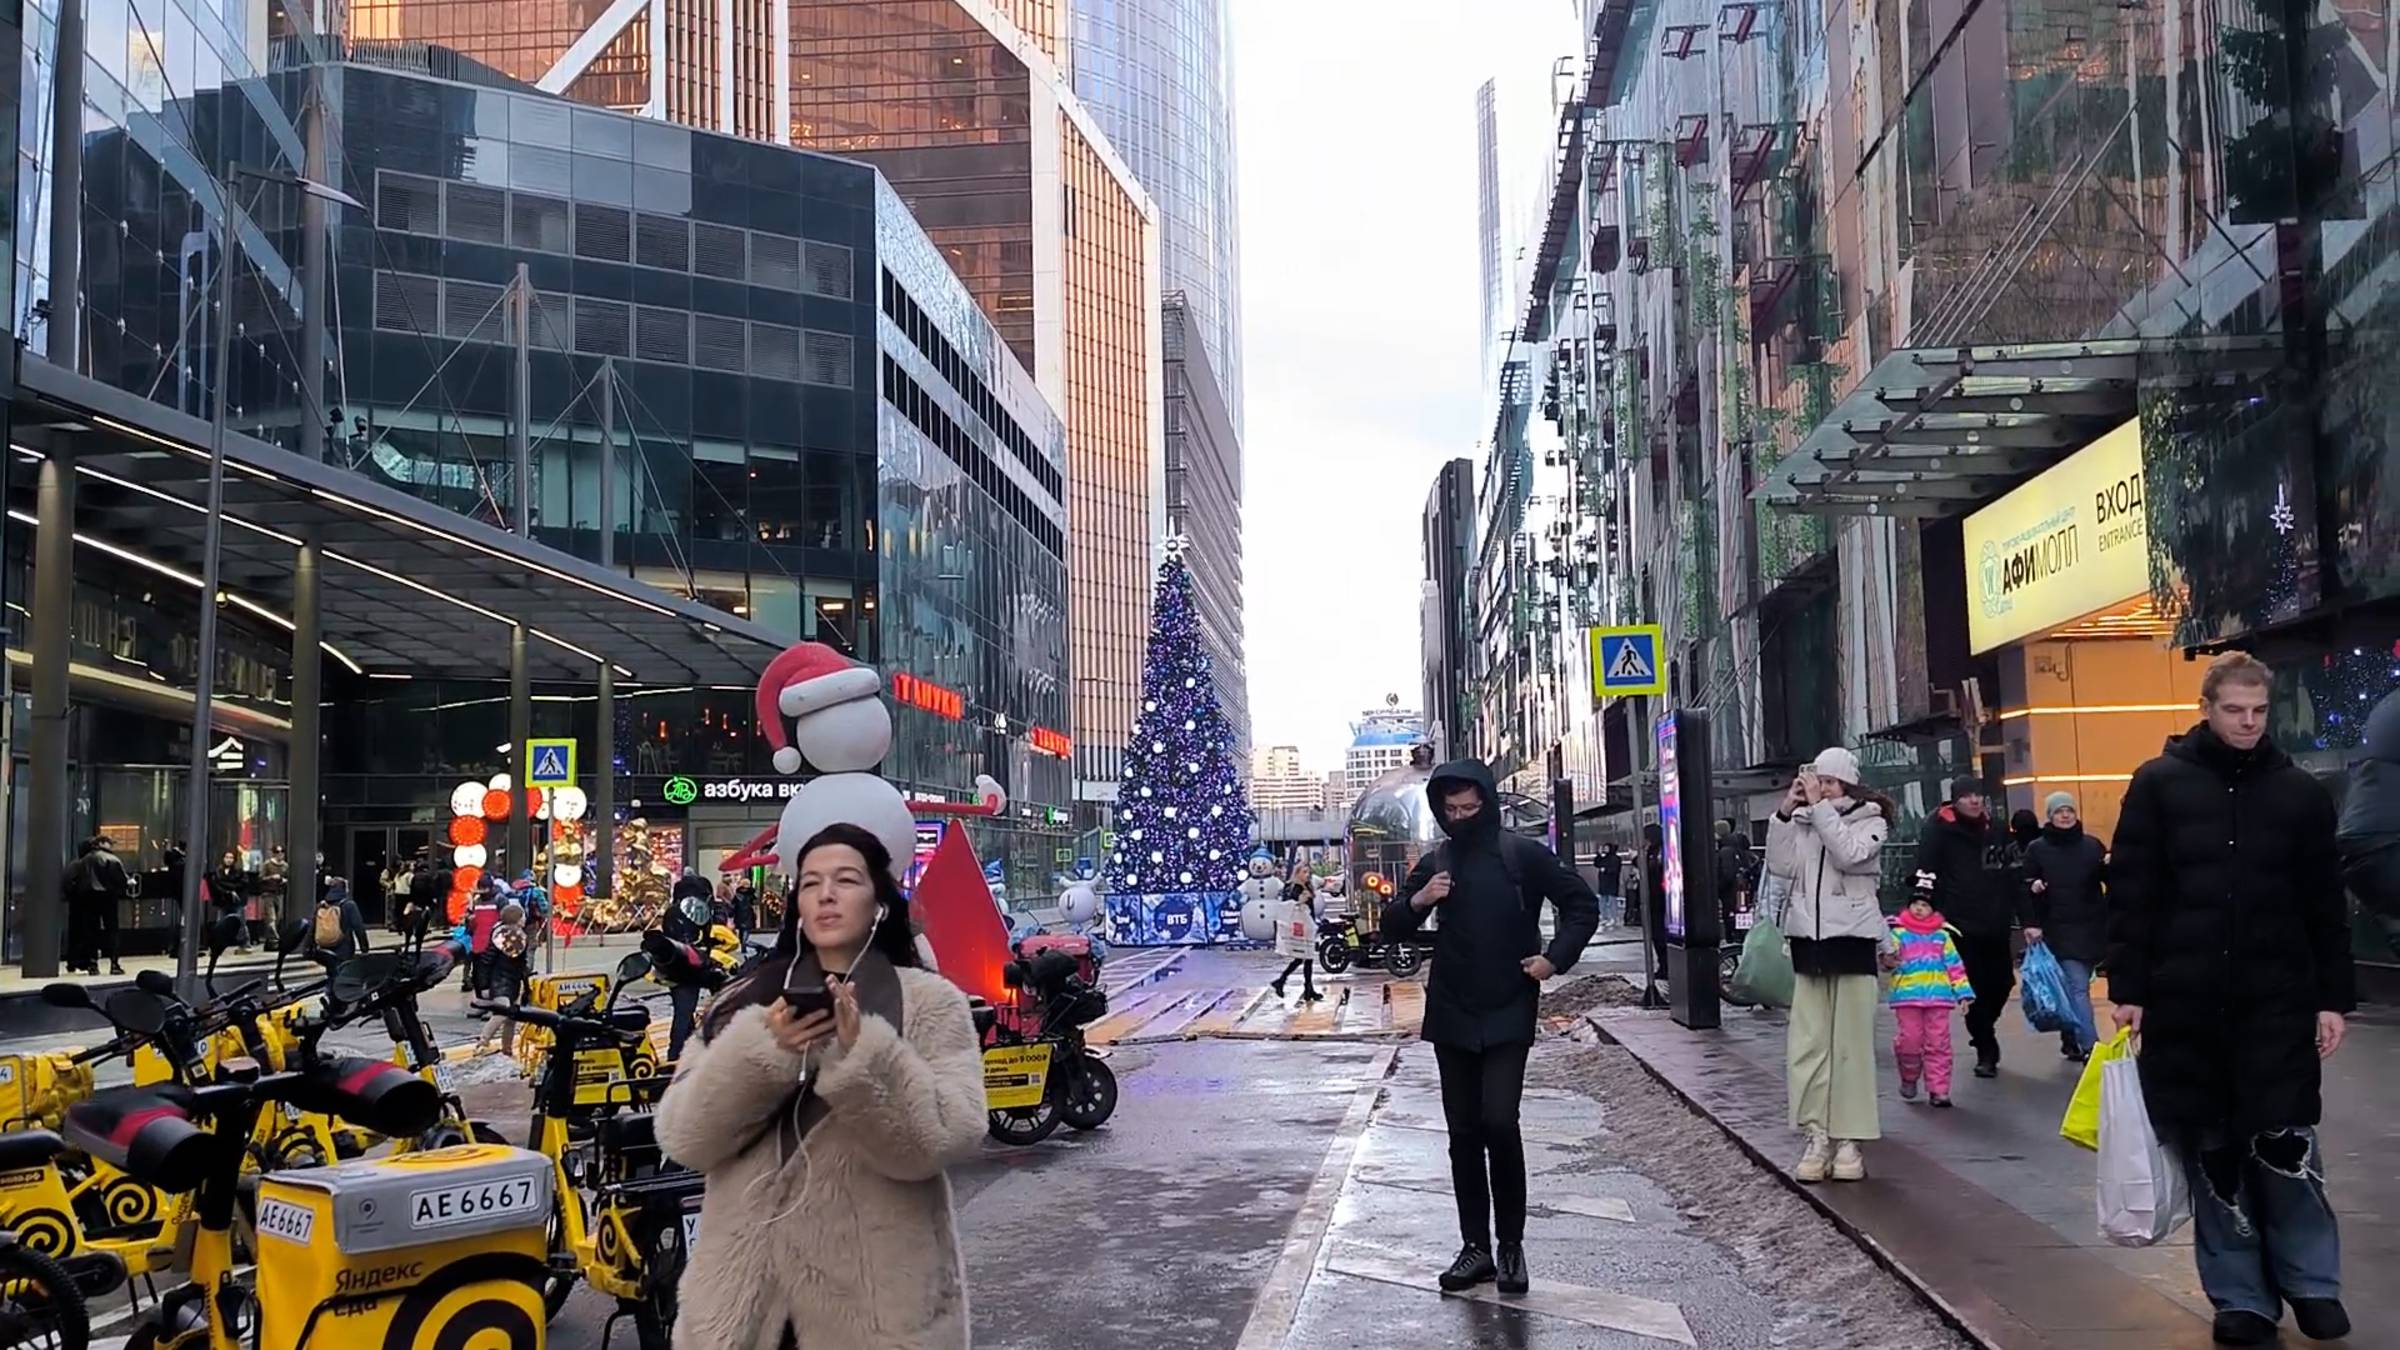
(807, 998)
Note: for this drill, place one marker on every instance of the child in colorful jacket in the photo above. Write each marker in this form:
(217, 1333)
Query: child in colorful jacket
(1928, 981)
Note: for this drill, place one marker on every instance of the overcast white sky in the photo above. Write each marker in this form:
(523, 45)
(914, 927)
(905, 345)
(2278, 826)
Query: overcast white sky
(1356, 131)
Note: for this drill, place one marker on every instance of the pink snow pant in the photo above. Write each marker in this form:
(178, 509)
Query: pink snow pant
(1923, 1045)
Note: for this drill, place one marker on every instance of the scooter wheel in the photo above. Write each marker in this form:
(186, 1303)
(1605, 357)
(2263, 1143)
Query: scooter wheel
(1024, 1126)
(1334, 955)
(41, 1302)
(1401, 959)
(1091, 1094)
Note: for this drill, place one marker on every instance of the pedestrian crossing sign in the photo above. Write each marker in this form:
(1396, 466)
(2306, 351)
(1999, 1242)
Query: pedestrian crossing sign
(1625, 661)
(550, 764)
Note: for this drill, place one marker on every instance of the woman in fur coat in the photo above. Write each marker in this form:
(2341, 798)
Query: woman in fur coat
(827, 1221)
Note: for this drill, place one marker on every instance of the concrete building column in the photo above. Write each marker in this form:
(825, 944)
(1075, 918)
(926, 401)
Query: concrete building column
(305, 811)
(600, 857)
(50, 791)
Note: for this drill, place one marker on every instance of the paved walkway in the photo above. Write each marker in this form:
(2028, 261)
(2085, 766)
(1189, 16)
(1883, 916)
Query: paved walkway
(1994, 1214)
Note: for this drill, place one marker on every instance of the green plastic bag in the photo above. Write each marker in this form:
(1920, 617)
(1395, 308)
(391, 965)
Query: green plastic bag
(2082, 1124)
(1765, 973)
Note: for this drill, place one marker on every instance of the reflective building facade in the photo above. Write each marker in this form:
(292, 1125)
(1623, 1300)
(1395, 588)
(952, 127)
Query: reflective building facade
(815, 428)
(1158, 75)
(1204, 505)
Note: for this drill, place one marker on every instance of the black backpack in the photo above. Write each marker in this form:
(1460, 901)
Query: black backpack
(1509, 863)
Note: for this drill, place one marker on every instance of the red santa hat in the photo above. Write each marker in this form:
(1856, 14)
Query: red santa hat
(804, 679)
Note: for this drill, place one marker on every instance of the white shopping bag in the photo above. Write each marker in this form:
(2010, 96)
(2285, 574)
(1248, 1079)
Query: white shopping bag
(2142, 1194)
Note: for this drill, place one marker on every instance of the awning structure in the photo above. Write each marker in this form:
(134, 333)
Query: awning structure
(406, 587)
(1934, 431)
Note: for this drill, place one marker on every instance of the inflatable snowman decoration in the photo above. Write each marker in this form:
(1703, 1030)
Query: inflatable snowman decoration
(1262, 892)
(840, 726)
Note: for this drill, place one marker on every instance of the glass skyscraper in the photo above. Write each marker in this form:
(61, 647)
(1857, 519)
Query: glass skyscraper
(1158, 74)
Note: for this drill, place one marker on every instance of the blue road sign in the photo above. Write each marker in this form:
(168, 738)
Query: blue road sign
(550, 763)
(1626, 661)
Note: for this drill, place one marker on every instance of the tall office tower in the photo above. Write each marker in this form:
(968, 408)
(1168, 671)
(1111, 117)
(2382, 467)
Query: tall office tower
(1487, 206)
(1158, 76)
(964, 106)
(1204, 505)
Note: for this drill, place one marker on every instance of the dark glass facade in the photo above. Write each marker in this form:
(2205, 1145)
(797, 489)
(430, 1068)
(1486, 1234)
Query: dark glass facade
(727, 304)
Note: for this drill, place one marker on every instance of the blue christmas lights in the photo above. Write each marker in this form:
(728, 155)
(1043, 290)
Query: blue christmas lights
(1183, 819)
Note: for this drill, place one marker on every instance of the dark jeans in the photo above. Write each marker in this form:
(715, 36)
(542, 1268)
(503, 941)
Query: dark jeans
(2262, 1228)
(91, 933)
(685, 998)
(1993, 972)
(1480, 1092)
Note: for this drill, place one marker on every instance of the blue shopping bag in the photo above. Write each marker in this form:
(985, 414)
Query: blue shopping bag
(2043, 991)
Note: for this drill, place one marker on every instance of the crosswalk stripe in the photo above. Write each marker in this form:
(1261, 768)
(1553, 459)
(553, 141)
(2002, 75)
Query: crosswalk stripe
(1171, 1021)
(1230, 1013)
(1318, 1019)
(1125, 1017)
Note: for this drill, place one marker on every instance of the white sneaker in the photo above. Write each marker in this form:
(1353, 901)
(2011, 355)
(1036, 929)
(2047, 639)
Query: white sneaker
(1847, 1164)
(1815, 1158)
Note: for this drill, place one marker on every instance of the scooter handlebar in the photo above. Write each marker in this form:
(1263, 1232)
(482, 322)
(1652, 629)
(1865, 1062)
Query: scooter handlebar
(555, 1022)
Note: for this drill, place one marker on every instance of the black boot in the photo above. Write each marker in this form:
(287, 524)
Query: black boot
(1987, 1062)
(1473, 1267)
(2242, 1328)
(1513, 1279)
(2321, 1319)
(1277, 985)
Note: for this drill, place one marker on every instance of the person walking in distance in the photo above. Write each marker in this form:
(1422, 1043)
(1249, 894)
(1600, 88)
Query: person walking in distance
(2066, 906)
(1928, 981)
(1296, 935)
(1608, 881)
(2229, 957)
(1827, 837)
(1968, 857)
(1480, 999)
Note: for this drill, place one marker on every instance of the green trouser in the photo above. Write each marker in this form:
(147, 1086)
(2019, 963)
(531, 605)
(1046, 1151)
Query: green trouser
(1829, 1055)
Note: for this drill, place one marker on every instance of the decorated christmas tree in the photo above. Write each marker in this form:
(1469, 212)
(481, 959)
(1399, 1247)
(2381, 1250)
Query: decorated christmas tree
(1183, 820)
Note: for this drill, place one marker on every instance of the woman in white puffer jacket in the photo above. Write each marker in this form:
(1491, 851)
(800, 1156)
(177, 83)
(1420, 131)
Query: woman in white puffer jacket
(1827, 837)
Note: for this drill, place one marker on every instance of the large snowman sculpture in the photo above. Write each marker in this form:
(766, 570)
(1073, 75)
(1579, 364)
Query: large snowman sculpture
(1262, 893)
(840, 726)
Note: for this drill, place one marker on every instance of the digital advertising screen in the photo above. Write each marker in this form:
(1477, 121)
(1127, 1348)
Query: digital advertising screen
(1670, 825)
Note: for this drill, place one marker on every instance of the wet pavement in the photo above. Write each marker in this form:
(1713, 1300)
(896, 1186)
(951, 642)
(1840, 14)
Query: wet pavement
(2011, 1244)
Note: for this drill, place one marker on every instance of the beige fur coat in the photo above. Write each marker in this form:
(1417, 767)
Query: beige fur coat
(853, 1242)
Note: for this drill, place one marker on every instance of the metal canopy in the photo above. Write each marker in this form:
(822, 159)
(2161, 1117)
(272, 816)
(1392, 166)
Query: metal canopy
(406, 587)
(1933, 431)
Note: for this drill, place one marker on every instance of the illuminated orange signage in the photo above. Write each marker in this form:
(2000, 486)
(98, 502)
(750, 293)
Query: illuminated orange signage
(1051, 742)
(932, 697)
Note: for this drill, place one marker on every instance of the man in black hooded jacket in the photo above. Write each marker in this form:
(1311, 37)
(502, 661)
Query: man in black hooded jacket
(1488, 968)
(1973, 888)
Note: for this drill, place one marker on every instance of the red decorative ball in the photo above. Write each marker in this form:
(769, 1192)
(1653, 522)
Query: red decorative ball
(466, 830)
(533, 800)
(464, 880)
(495, 804)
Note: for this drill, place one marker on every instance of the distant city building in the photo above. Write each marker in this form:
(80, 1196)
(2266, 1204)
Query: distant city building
(1487, 205)
(1379, 743)
(1278, 782)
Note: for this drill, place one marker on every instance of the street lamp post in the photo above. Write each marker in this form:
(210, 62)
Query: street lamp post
(187, 958)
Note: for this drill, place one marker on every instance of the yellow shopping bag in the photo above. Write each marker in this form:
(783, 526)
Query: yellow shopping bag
(2082, 1125)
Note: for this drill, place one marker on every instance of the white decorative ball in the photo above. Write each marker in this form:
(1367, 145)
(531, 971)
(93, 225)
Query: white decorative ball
(1216, 810)
(469, 855)
(1192, 833)
(1187, 878)
(569, 804)
(1080, 904)
(1190, 683)
(1134, 835)
(467, 799)
(1145, 792)
(1190, 725)
(1149, 705)
(499, 782)
(1170, 813)
(566, 874)
(1156, 856)
(1158, 747)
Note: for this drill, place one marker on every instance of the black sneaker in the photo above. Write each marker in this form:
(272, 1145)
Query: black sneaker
(2242, 1328)
(1987, 1068)
(1941, 1101)
(1473, 1267)
(2319, 1319)
(1513, 1279)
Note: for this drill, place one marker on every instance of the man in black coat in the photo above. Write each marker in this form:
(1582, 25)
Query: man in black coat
(2066, 907)
(1968, 857)
(2370, 830)
(2229, 952)
(1488, 968)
